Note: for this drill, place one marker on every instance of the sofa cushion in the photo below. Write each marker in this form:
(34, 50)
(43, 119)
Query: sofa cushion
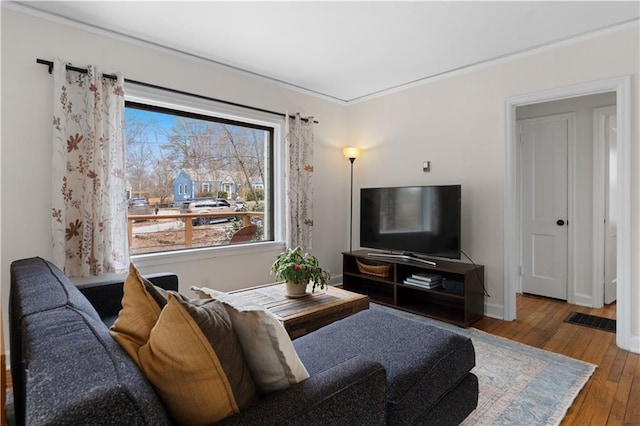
(101, 383)
(48, 288)
(141, 306)
(423, 363)
(266, 345)
(195, 362)
(37, 285)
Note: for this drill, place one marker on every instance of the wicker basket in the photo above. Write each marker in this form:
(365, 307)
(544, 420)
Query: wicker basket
(370, 267)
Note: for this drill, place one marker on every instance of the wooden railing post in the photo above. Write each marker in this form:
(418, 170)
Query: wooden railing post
(130, 230)
(188, 232)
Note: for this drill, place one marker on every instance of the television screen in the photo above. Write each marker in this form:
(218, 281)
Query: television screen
(416, 219)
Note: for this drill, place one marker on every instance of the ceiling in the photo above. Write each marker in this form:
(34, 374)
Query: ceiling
(342, 50)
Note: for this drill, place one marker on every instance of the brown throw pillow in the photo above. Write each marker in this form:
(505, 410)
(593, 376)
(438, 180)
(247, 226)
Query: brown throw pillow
(195, 362)
(267, 347)
(141, 306)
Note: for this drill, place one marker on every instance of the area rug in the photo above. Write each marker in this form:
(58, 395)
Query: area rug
(519, 384)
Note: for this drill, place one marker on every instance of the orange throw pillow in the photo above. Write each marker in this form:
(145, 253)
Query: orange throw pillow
(195, 362)
(141, 306)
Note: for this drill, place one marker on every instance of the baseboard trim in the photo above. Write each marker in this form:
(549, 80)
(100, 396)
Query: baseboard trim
(492, 310)
(583, 300)
(634, 344)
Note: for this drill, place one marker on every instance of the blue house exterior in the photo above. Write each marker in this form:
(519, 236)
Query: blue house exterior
(182, 187)
(186, 188)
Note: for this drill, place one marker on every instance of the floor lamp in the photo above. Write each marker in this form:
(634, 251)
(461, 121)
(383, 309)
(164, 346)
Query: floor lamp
(351, 153)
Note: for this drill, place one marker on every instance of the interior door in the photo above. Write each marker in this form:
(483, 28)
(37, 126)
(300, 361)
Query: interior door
(608, 128)
(543, 205)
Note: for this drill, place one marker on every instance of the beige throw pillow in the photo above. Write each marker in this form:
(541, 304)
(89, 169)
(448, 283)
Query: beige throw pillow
(267, 347)
(208, 293)
(194, 361)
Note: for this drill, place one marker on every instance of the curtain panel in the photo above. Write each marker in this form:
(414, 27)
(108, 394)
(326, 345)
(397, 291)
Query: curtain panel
(89, 207)
(299, 149)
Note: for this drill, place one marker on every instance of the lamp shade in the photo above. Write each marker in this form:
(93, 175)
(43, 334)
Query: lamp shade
(351, 152)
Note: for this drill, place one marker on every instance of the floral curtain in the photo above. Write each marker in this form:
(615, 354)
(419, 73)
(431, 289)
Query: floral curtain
(88, 212)
(299, 144)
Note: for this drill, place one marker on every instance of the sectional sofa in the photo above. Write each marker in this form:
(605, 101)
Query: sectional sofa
(371, 368)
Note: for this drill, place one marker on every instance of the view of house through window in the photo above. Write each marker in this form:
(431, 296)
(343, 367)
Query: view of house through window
(195, 180)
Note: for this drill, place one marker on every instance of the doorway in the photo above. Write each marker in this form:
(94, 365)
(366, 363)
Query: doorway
(606, 189)
(621, 87)
(543, 202)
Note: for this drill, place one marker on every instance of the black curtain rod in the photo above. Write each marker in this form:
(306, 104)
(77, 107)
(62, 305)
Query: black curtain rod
(166, 89)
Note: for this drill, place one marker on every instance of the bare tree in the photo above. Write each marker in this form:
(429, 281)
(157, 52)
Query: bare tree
(194, 146)
(139, 155)
(246, 152)
(208, 151)
(163, 175)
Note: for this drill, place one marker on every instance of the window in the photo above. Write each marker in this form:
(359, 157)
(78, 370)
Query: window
(216, 168)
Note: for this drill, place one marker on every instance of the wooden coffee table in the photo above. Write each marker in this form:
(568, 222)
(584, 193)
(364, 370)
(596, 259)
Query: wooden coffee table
(306, 314)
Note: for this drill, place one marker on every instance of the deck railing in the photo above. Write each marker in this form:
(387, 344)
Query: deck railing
(188, 221)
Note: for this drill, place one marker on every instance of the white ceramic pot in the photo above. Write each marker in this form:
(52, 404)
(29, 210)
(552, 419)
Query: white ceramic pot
(296, 290)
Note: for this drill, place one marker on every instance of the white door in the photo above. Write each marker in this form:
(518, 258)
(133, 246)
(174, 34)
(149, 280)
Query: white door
(543, 205)
(607, 127)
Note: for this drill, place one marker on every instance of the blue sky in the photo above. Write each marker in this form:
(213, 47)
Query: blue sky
(157, 126)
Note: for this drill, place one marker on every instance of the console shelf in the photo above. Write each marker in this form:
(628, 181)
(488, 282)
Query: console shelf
(460, 301)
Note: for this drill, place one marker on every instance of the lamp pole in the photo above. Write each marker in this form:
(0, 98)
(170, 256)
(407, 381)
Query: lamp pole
(351, 159)
(351, 152)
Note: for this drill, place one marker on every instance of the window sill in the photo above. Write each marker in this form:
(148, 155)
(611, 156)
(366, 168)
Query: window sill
(205, 253)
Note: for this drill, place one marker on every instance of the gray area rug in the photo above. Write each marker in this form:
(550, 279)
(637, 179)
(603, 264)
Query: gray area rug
(519, 384)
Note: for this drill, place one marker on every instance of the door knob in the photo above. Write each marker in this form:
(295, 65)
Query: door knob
(560, 222)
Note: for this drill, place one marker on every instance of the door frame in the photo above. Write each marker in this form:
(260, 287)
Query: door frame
(570, 266)
(599, 157)
(622, 87)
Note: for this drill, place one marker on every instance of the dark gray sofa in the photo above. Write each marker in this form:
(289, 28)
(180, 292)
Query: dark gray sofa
(67, 369)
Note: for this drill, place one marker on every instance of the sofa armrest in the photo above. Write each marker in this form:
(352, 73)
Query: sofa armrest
(353, 392)
(106, 296)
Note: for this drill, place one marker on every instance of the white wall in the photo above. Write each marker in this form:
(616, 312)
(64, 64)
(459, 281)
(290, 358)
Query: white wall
(582, 107)
(457, 123)
(26, 142)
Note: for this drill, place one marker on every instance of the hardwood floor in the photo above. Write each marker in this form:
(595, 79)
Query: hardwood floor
(612, 394)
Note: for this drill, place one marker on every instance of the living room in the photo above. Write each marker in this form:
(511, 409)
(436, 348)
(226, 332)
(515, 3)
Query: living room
(456, 121)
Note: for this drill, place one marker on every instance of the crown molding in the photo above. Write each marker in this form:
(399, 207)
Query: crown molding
(25, 8)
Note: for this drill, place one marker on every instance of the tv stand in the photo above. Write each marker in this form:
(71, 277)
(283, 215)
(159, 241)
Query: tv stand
(402, 256)
(458, 300)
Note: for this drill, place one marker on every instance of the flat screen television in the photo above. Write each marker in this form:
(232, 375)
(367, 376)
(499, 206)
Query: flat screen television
(418, 220)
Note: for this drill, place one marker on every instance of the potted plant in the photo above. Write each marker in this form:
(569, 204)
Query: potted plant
(298, 269)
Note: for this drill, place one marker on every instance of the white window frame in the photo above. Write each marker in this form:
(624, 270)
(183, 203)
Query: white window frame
(170, 100)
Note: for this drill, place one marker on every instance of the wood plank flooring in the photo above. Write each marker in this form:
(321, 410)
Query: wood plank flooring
(612, 394)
